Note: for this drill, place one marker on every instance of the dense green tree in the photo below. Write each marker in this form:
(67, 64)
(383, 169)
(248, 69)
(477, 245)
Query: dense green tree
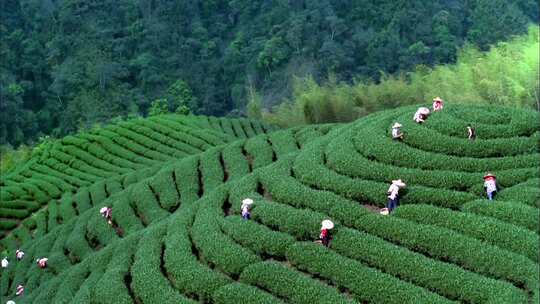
(83, 62)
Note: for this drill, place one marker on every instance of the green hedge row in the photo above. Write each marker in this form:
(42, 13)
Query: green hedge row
(437, 276)
(62, 167)
(492, 231)
(93, 160)
(374, 144)
(247, 127)
(523, 123)
(512, 212)
(215, 247)
(475, 113)
(145, 141)
(134, 146)
(183, 136)
(367, 285)
(149, 284)
(237, 128)
(342, 158)
(522, 193)
(187, 174)
(448, 245)
(97, 151)
(116, 149)
(290, 285)
(283, 142)
(73, 181)
(426, 139)
(258, 238)
(145, 202)
(211, 169)
(235, 162)
(173, 140)
(260, 150)
(242, 293)
(189, 275)
(309, 168)
(165, 187)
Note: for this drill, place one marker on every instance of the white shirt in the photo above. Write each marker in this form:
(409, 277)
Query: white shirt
(19, 254)
(393, 190)
(490, 185)
(5, 263)
(418, 117)
(245, 209)
(395, 132)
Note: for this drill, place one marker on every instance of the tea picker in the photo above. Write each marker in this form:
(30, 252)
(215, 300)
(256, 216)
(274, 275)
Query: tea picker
(325, 236)
(42, 262)
(20, 290)
(490, 185)
(5, 262)
(19, 254)
(246, 205)
(421, 115)
(396, 131)
(393, 196)
(10, 302)
(471, 132)
(106, 212)
(437, 104)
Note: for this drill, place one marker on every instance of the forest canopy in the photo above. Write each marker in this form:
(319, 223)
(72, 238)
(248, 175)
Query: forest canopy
(69, 64)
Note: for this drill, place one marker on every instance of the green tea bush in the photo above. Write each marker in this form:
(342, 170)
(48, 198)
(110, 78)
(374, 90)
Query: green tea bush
(429, 140)
(214, 246)
(236, 164)
(260, 150)
(512, 212)
(523, 123)
(242, 293)
(211, 169)
(257, 238)
(495, 232)
(283, 142)
(442, 243)
(190, 276)
(164, 186)
(458, 283)
(290, 285)
(522, 193)
(237, 128)
(366, 284)
(149, 283)
(248, 127)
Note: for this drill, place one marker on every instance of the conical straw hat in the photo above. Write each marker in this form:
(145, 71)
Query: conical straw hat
(247, 201)
(327, 224)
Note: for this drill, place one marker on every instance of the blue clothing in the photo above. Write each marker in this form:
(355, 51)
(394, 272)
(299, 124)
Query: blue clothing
(392, 203)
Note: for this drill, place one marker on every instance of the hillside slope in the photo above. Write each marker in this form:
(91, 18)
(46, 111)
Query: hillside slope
(107, 159)
(177, 236)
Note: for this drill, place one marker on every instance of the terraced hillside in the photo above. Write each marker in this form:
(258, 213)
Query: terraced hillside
(177, 236)
(106, 160)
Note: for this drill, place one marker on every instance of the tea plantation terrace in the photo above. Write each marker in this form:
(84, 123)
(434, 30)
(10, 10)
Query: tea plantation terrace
(177, 235)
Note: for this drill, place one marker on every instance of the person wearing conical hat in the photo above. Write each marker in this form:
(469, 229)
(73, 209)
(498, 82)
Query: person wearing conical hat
(19, 290)
(471, 132)
(393, 196)
(325, 236)
(437, 104)
(10, 302)
(106, 212)
(5, 262)
(490, 185)
(396, 131)
(246, 205)
(42, 262)
(19, 254)
(421, 115)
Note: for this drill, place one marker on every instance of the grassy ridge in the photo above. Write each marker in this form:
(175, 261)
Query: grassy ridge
(177, 224)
